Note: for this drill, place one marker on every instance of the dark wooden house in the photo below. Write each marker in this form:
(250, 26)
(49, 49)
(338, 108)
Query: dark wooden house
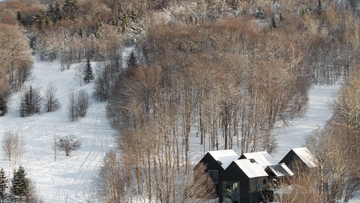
(216, 162)
(299, 157)
(244, 181)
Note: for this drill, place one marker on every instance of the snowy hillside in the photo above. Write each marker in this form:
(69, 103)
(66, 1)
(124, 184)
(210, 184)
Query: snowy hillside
(66, 179)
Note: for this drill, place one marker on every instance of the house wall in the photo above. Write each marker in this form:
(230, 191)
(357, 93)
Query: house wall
(248, 190)
(212, 164)
(258, 187)
(291, 160)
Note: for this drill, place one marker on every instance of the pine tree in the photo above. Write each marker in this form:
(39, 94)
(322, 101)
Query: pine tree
(124, 22)
(3, 185)
(19, 17)
(319, 7)
(88, 74)
(72, 14)
(3, 106)
(80, 32)
(29, 102)
(40, 19)
(20, 183)
(23, 107)
(273, 22)
(281, 17)
(132, 60)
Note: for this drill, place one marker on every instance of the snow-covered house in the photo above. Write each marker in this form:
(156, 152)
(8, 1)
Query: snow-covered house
(244, 180)
(262, 158)
(278, 171)
(300, 156)
(216, 162)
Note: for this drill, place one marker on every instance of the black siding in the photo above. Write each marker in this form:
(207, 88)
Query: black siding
(212, 164)
(290, 159)
(248, 187)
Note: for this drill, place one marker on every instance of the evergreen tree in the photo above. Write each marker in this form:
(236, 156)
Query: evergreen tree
(191, 19)
(3, 106)
(88, 74)
(19, 17)
(319, 7)
(57, 11)
(29, 102)
(132, 60)
(273, 22)
(80, 32)
(133, 15)
(23, 107)
(3, 185)
(281, 17)
(72, 14)
(20, 183)
(124, 23)
(40, 19)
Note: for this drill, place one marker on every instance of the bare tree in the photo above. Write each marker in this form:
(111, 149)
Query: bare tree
(68, 144)
(51, 103)
(33, 195)
(82, 103)
(72, 111)
(7, 145)
(13, 146)
(55, 141)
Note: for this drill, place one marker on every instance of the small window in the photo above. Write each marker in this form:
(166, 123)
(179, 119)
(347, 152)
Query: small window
(214, 175)
(257, 185)
(264, 182)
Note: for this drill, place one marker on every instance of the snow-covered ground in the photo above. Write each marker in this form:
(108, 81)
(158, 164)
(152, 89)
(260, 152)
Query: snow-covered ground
(66, 179)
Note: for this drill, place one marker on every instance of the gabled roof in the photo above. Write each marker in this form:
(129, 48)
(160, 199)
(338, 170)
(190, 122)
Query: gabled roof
(280, 170)
(262, 158)
(306, 156)
(224, 157)
(250, 168)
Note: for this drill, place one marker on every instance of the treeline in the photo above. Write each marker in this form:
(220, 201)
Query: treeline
(15, 62)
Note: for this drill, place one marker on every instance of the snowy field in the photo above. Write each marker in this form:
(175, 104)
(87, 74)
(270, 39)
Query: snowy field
(66, 179)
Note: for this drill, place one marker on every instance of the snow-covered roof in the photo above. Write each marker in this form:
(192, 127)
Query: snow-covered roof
(262, 158)
(280, 170)
(225, 157)
(306, 156)
(251, 169)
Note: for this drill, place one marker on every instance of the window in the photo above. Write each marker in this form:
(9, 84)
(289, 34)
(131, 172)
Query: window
(231, 191)
(264, 183)
(214, 175)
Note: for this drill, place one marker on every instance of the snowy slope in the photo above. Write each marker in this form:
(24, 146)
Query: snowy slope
(66, 179)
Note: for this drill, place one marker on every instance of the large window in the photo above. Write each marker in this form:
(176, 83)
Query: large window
(214, 175)
(231, 191)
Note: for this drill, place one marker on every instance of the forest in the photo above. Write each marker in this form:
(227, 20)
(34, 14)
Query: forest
(229, 69)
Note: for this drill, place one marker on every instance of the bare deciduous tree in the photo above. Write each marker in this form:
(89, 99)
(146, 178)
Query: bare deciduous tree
(13, 146)
(55, 141)
(51, 103)
(82, 103)
(68, 144)
(72, 111)
(78, 104)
